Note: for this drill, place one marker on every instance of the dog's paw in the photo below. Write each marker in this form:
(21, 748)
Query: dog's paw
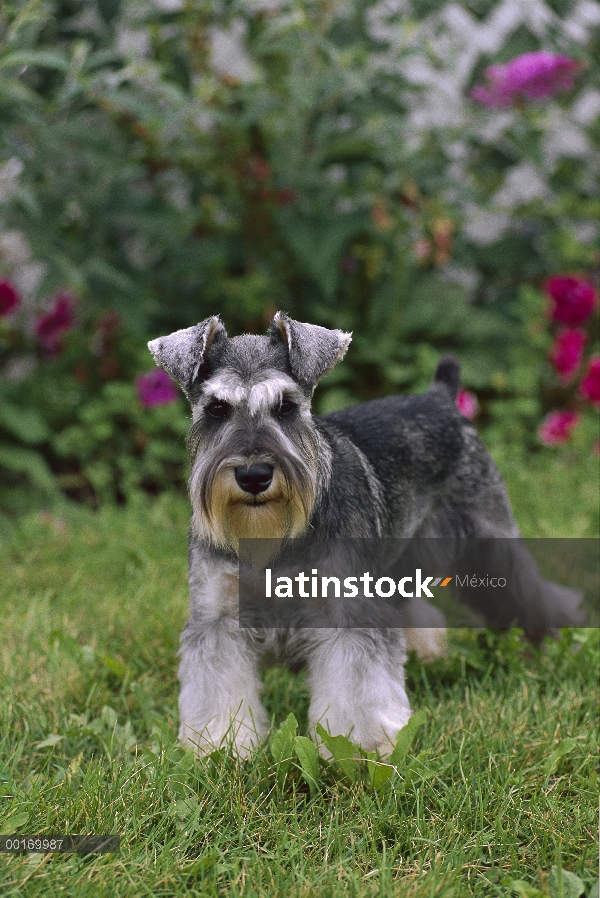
(241, 735)
(374, 730)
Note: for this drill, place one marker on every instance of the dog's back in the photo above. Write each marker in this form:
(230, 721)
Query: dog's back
(431, 466)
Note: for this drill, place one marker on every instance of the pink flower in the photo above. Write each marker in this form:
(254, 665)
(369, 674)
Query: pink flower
(589, 388)
(556, 427)
(567, 352)
(50, 327)
(285, 196)
(9, 298)
(156, 388)
(466, 403)
(533, 76)
(573, 298)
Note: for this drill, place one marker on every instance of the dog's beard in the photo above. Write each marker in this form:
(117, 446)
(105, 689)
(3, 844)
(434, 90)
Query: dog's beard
(224, 514)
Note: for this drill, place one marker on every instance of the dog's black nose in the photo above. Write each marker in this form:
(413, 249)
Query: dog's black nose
(254, 479)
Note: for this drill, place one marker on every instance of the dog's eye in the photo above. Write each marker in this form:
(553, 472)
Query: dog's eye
(286, 406)
(218, 409)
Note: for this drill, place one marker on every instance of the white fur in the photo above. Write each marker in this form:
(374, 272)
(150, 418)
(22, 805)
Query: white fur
(260, 396)
(226, 386)
(219, 698)
(268, 393)
(357, 687)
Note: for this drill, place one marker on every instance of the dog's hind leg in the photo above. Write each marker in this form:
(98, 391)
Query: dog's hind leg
(477, 520)
(499, 577)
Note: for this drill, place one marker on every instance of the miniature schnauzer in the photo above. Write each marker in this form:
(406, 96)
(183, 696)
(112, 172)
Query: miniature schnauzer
(263, 466)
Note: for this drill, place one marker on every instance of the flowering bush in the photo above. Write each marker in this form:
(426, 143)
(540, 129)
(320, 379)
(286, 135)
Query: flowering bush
(557, 427)
(51, 327)
(573, 301)
(590, 385)
(531, 76)
(566, 354)
(9, 298)
(161, 162)
(74, 417)
(573, 298)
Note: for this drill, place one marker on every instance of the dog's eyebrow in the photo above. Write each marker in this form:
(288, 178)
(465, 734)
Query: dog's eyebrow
(227, 387)
(270, 392)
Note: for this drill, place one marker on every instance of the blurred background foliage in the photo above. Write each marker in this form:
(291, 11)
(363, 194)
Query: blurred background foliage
(164, 161)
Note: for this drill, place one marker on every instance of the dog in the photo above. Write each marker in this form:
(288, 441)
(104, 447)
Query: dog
(264, 467)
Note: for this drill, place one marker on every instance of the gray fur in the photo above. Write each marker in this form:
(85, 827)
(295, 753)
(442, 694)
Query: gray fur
(182, 353)
(313, 350)
(397, 467)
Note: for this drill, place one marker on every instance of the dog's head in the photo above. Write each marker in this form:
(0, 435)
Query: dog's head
(257, 458)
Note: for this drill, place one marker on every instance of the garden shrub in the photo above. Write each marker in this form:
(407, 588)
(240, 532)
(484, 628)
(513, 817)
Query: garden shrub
(393, 172)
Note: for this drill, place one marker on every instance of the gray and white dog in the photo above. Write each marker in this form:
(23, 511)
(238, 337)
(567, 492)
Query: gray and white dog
(263, 466)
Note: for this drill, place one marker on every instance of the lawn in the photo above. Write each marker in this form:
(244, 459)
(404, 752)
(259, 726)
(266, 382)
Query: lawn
(498, 794)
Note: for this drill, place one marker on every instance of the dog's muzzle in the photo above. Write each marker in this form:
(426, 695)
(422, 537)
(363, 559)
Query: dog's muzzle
(254, 479)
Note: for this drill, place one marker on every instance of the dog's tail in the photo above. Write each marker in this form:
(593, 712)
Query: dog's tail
(447, 375)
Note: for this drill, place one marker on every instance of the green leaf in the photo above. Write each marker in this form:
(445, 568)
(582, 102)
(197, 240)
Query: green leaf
(563, 748)
(49, 59)
(282, 741)
(111, 275)
(13, 824)
(29, 463)
(52, 739)
(350, 149)
(318, 244)
(523, 890)
(308, 755)
(406, 737)
(282, 747)
(202, 865)
(24, 423)
(564, 884)
(380, 773)
(109, 9)
(343, 751)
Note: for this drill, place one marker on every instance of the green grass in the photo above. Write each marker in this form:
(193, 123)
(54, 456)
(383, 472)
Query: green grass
(501, 784)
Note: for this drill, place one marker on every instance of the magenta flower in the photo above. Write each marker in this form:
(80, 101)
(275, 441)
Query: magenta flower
(573, 298)
(566, 353)
(155, 388)
(52, 325)
(9, 298)
(589, 388)
(556, 427)
(532, 76)
(466, 403)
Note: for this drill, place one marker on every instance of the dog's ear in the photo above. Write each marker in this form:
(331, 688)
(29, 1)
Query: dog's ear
(313, 350)
(181, 354)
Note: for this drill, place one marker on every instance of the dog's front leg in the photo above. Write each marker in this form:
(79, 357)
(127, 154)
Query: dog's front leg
(219, 699)
(356, 679)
